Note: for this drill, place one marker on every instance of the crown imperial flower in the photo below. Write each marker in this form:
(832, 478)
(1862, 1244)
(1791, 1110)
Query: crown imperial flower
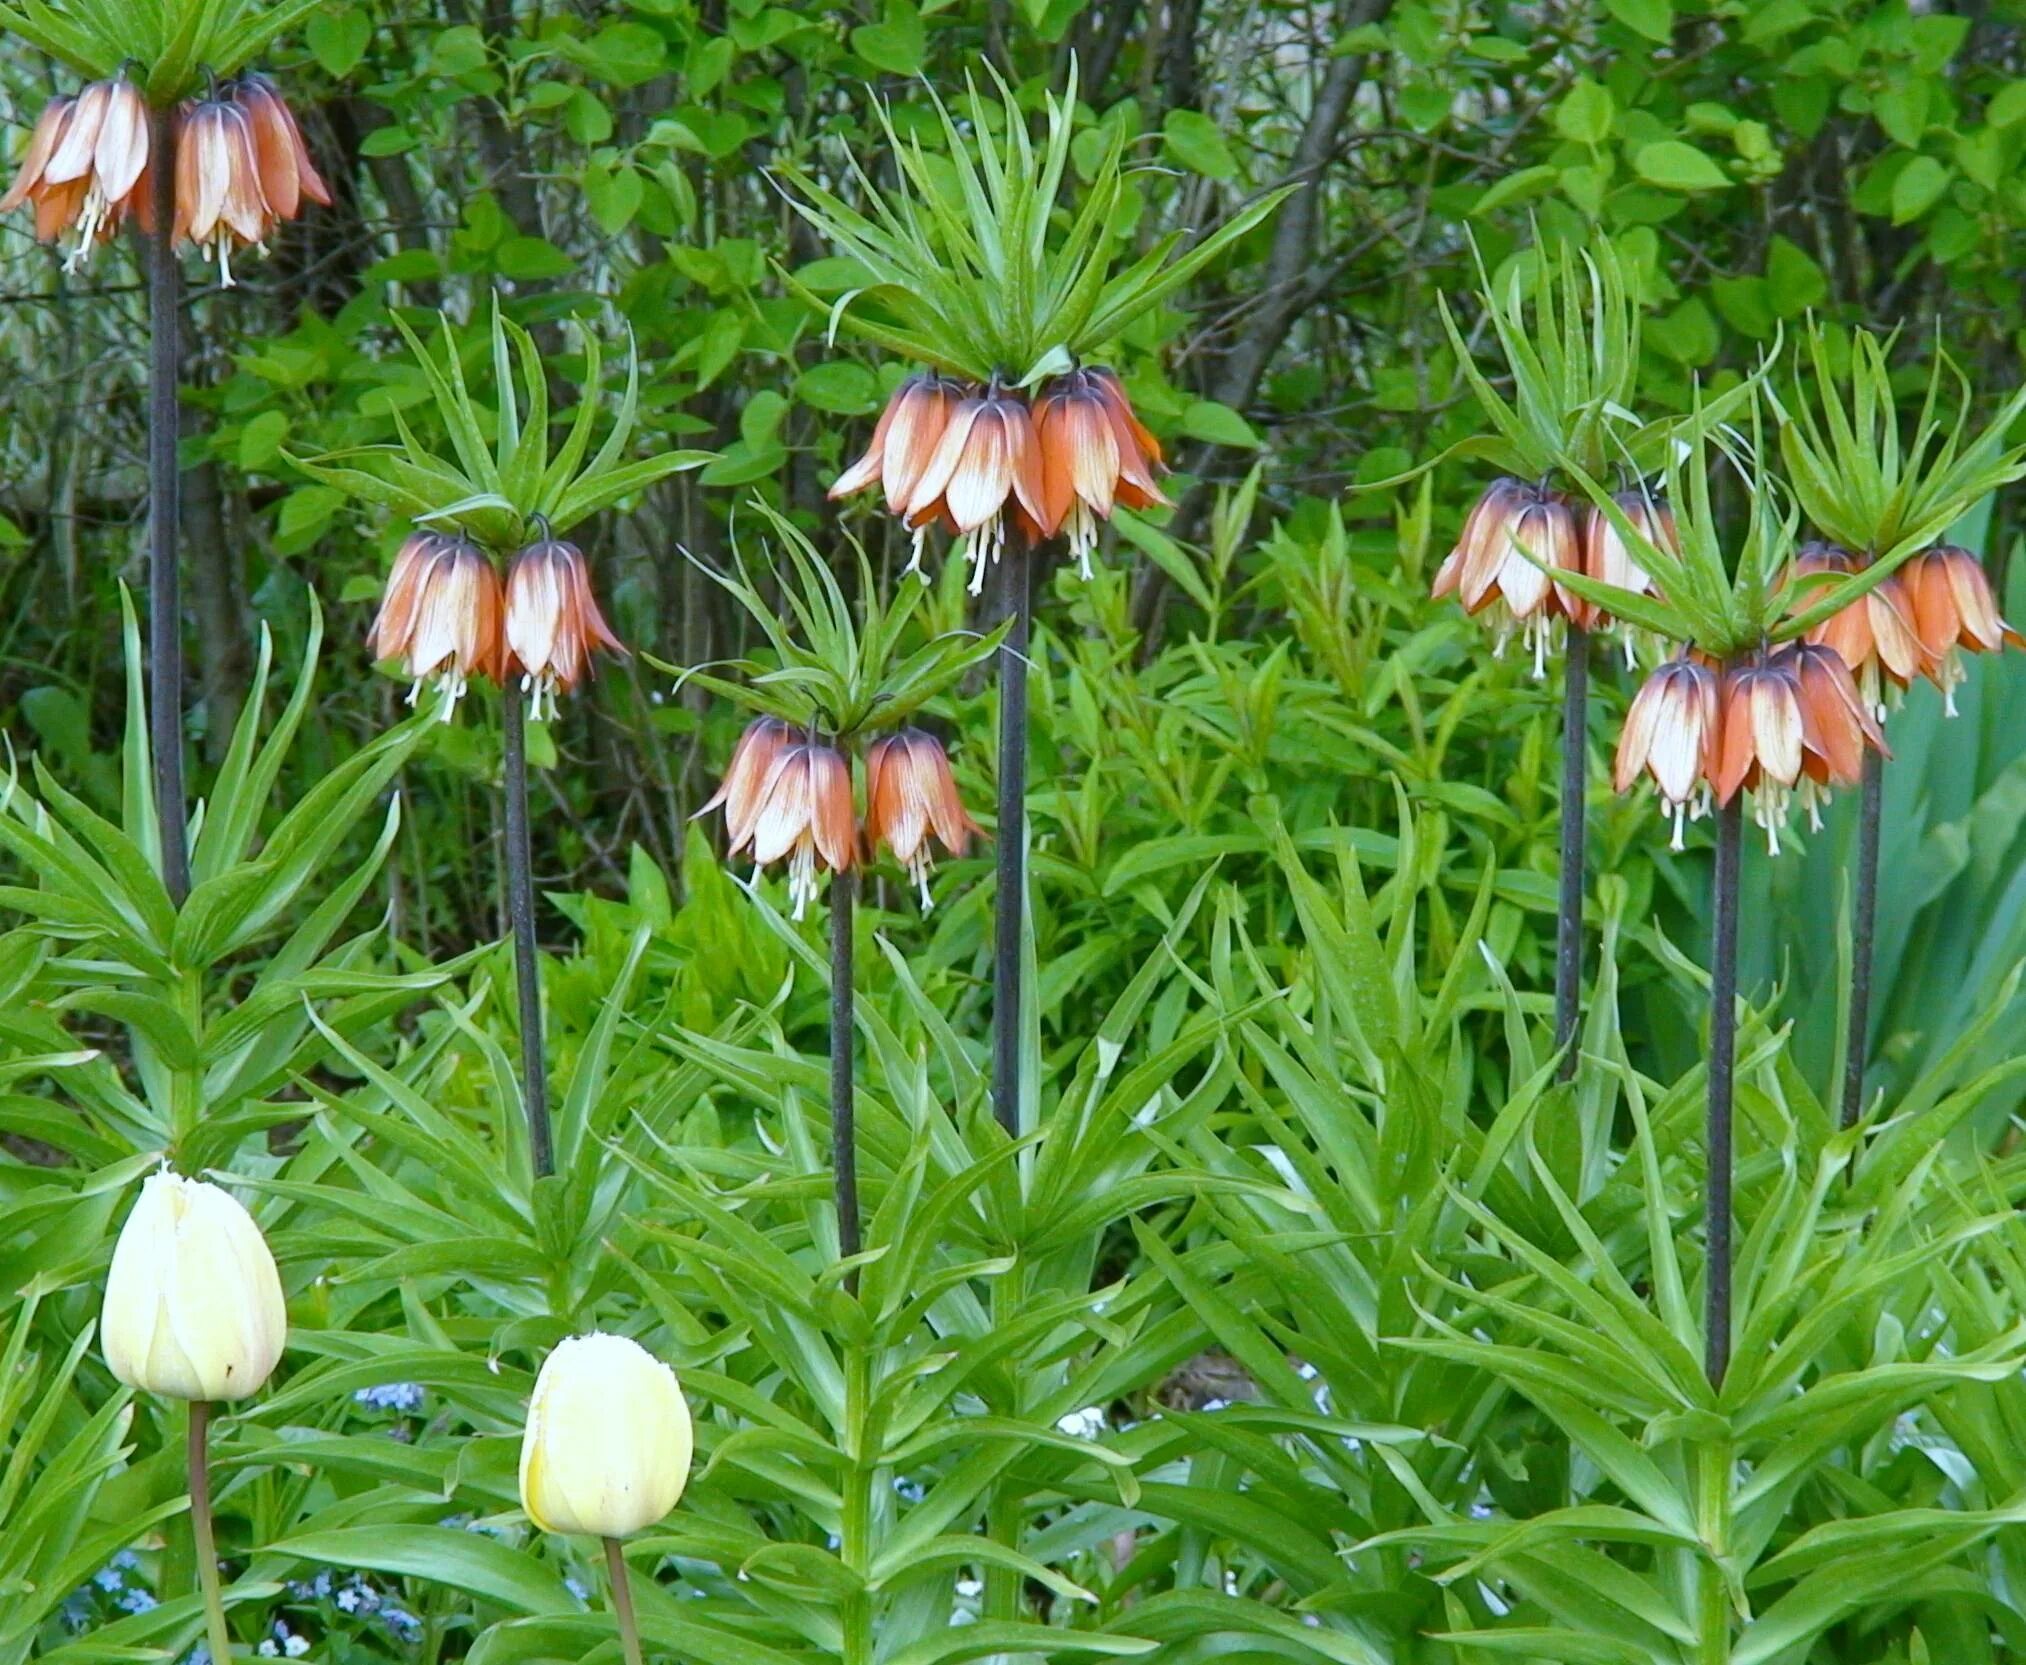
(1792, 721)
(802, 811)
(552, 619)
(910, 793)
(1874, 636)
(905, 438)
(86, 165)
(441, 617)
(1094, 453)
(1671, 733)
(1513, 538)
(1608, 559)
(985, 468)
(1954, 612)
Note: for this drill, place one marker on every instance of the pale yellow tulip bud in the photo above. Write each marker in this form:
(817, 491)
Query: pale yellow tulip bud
(608, 1442)
(193, 1304)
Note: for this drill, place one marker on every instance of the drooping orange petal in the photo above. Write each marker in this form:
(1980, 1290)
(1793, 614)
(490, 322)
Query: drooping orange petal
(1893, 639)
(274, 148)
(122, 150)
(1024, 459)
(983, 476)
(866, 471)
(1737, 759)
(57, 208)
(72, 158)
(245, 208)
(920, 414)
(927, 500)
(42, 143)
(784, 806)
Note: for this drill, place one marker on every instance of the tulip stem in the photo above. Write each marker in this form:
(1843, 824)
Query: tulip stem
(622, 1600)
(1569, 913)
(165, 610)
(200, 1526)
(520, 882)
(1723, 1019)
(1858, 1029)
(843, 1118)
(1009, 904)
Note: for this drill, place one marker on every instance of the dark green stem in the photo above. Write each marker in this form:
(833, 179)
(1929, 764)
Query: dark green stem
(1857, 1031)
(1569, 912)
(843, 1116)
(622, 1600)
(1009, 903)
(1723, 1020)
(520, 880)
(220, 1638)
(165, 610)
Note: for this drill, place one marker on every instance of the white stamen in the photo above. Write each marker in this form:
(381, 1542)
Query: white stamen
(1081, 529)
(802, 875)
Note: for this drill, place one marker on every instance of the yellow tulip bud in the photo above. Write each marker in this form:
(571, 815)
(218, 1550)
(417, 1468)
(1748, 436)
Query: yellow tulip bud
(608, 1442)
(193, 1305)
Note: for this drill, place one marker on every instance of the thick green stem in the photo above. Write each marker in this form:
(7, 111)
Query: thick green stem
(200, 1530)
(855, 1526)
(843, 1120)
(1857, 1030)
(1723, 1002)
(1713, 1524)
(622, 1600)
(1009, 903)
(520, 882)
(1569, 913)
(165, 608)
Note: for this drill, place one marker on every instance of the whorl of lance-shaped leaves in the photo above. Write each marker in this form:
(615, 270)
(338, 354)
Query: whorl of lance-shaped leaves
(500, 485)
(967, 265)
(838, 666)
(1865, 484)
(175, 42)
(1568, 328)
(1722, 605)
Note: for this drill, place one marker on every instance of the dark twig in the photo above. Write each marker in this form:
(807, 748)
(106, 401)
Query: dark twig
(165, 617)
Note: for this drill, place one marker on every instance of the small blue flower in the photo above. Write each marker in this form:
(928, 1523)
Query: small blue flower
(393, 1396)
(126, 1560)
(108, 1578)
(576, 1587)
(137, 1601)
(405, 1626)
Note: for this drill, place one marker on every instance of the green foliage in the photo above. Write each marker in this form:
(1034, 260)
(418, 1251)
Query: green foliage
(501, 491)
(1315, 1321)
(848, 667)
(964, 259)
(175, 43)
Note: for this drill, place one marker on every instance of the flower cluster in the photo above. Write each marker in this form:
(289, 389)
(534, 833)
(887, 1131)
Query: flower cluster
(241, 167)
(447, 617)
(1786, 723)
(1917, 621)
(985, 462)
(788, 794)
(1517, 536)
